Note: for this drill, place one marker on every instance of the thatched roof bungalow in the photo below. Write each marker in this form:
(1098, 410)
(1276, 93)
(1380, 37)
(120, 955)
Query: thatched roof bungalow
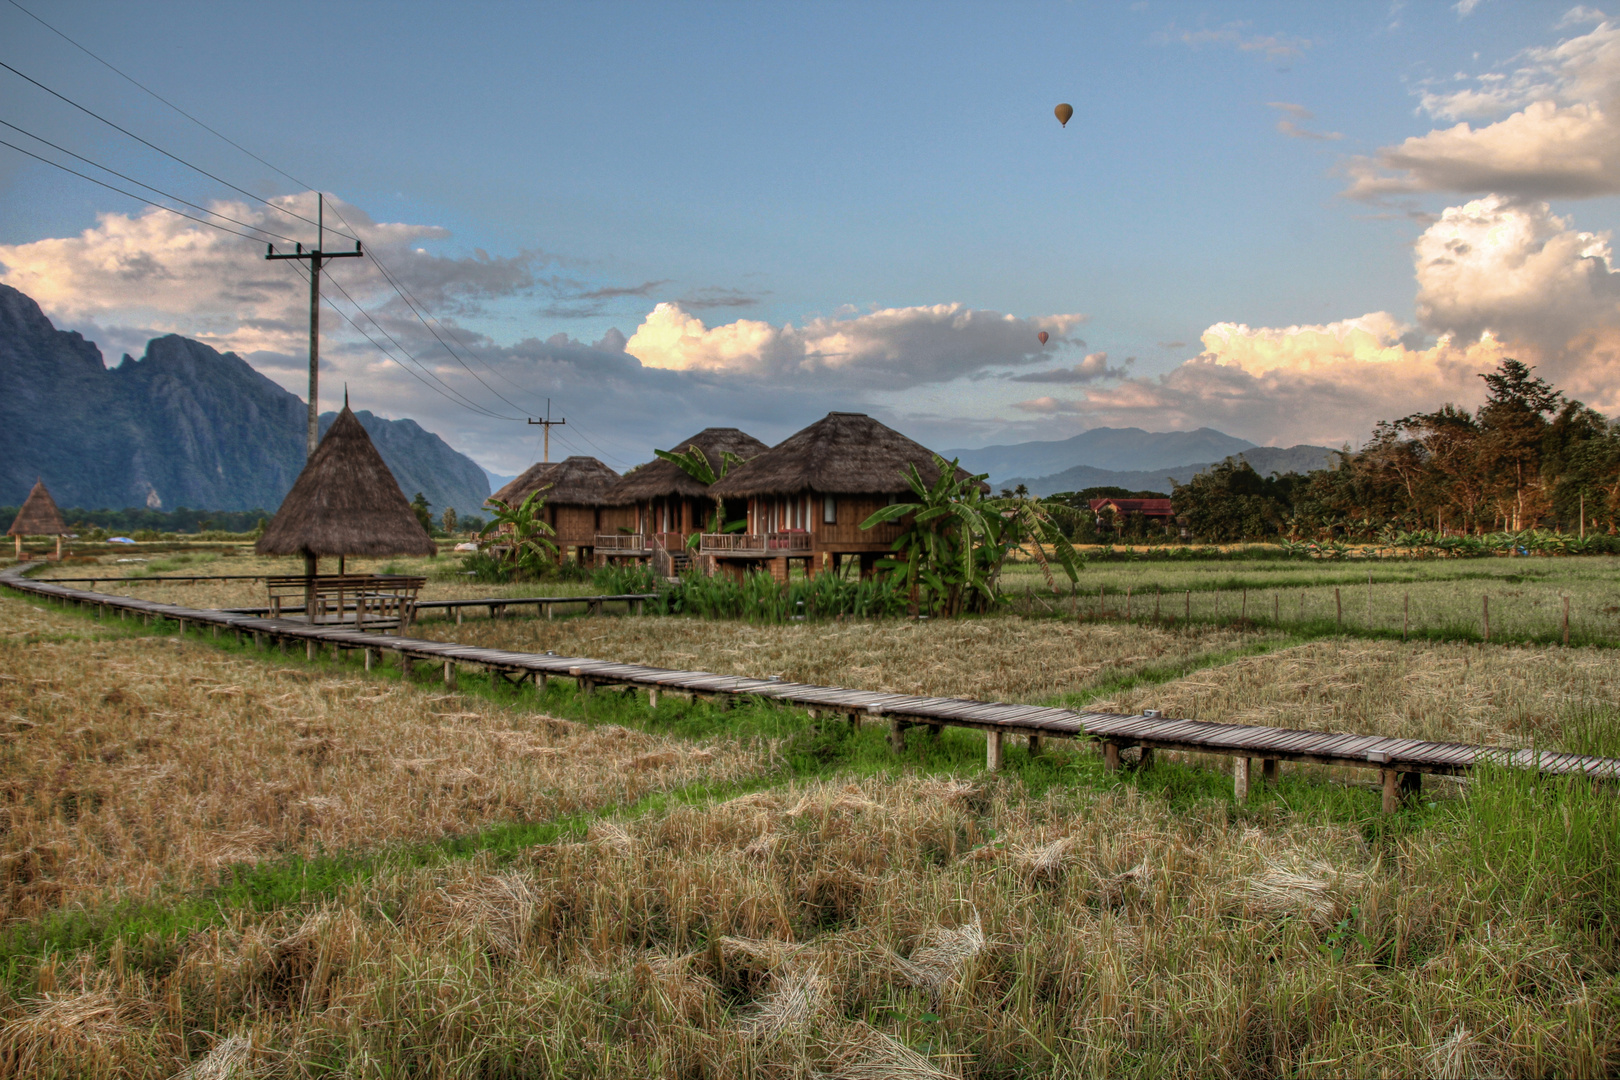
(807, 496)
(576, 501)
(38, 517)
(345, 502)
(667, 503)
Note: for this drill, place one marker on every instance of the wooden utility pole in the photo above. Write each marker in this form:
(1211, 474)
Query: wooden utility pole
(315, 256)
(547, 424)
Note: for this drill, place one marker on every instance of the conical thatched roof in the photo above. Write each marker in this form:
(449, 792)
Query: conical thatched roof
(663, 479)
(345, 502)
(39, 515)
(575, 481)
(841, 454)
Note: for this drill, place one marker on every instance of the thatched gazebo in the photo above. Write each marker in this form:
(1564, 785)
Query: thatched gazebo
(669, 504)
(345, 502)
(38, 517)
(576, 507)
(807, 495)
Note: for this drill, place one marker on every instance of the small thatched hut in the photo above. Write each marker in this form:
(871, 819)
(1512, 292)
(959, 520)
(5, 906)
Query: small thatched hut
(38, 517)
(668, 505)
(575, 491)
(345, 502)
(807, 495)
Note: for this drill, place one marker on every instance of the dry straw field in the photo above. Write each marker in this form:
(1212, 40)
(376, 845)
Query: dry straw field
(227, 863)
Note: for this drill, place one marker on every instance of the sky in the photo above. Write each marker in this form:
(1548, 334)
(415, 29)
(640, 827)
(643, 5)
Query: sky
(1284, 221)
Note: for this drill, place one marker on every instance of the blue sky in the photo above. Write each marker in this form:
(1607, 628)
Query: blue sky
(809, 165)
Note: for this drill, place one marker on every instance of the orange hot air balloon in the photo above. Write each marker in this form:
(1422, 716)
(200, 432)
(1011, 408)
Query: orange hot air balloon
(1064, 113)
(1042, 335)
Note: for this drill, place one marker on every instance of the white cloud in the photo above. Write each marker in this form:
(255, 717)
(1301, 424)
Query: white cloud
(1465, 8)
(1495, 279)
(1275, 47)
(890, 348)
(1092, 369)
(1559, 135)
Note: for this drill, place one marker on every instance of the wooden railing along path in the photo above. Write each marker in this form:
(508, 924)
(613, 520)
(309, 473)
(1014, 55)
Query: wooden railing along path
(1401, 762)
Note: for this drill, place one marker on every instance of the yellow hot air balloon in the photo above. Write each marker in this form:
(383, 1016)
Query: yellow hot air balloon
(1064, 113)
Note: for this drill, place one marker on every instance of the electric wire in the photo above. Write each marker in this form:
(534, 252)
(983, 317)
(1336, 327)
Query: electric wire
(175, 157)
(147, 89)
(131, 194)
(410, 300)
(148, 187)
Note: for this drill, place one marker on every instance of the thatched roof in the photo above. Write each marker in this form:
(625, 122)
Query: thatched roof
(663, 479)
(841, 454)
(345, 502)
(39, 515)
(575, 481)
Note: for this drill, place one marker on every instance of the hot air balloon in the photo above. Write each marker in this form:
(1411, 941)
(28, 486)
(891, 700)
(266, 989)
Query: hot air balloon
(1042, 335)
(1064, 113)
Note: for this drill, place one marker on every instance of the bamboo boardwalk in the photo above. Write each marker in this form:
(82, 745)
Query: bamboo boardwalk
(1401, 762)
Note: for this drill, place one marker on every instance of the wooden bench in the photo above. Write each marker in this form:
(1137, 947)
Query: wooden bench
(333, 599)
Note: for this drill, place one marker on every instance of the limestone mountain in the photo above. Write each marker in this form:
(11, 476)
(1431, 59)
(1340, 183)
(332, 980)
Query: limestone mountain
(184, 425)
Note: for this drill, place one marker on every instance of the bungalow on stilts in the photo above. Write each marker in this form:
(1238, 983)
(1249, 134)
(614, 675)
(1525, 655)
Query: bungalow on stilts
(576, 504)
(807, 496)
(668, 506)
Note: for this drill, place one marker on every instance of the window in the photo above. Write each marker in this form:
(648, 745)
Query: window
(829, 510)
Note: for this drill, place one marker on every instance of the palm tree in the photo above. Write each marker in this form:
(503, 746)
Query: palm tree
(525, 530)
(695, 463)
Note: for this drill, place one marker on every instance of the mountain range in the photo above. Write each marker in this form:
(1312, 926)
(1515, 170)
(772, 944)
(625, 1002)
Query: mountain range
(184, 425)
(1129, 458)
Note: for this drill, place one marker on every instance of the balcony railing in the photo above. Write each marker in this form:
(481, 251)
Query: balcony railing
(758, 545)
(638, 543)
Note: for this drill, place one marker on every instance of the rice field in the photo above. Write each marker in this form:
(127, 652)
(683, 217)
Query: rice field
(223, 862)
(1524, 598)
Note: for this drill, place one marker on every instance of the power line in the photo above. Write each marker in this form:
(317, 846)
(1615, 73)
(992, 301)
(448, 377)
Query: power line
(131, 194)
(175, 157)
(131, 79)
(148, 187)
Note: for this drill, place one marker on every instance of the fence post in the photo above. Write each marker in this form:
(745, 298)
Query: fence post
(1240, 778)
(992, 750)
(1566, 622)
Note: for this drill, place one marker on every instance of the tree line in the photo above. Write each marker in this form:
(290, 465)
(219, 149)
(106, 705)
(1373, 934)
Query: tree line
(1529, 458)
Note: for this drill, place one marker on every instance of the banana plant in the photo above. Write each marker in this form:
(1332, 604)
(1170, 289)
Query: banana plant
(525, 533)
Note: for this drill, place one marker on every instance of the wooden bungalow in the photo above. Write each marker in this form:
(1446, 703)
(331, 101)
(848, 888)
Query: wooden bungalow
(663, 505)
(345, 502)
(576, 505)
(38, 517)
(807, 496)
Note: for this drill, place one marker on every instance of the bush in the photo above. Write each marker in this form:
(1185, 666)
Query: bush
(760, 598)
(146, 535)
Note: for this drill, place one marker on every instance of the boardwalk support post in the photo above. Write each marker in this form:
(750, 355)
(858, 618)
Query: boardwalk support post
(897, 735)
(582, 684)
(1111, 756)
(312, 649)
(1392, 790)
(450, 674)
(1240, 778)
(371, 658)
(404, 666)
(652, 697)
(1268, 770)
(1035, 745)
(992, 750)
(1146, 760)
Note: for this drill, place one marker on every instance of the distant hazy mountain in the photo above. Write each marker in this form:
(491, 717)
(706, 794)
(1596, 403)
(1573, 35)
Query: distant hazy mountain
(1118, 449)
(182, 426)
(497, 481)
(1265, 460)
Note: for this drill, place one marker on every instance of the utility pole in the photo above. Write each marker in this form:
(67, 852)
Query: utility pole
(548, 423)
(315, 257)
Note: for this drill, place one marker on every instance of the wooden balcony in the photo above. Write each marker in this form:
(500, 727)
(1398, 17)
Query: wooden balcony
(756, 545)
(638, 543)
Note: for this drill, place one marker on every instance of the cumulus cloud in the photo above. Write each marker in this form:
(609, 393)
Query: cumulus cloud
(885, 349)
(1558, 136)
(164, 274)
(1495, 278)
(1091, 369)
